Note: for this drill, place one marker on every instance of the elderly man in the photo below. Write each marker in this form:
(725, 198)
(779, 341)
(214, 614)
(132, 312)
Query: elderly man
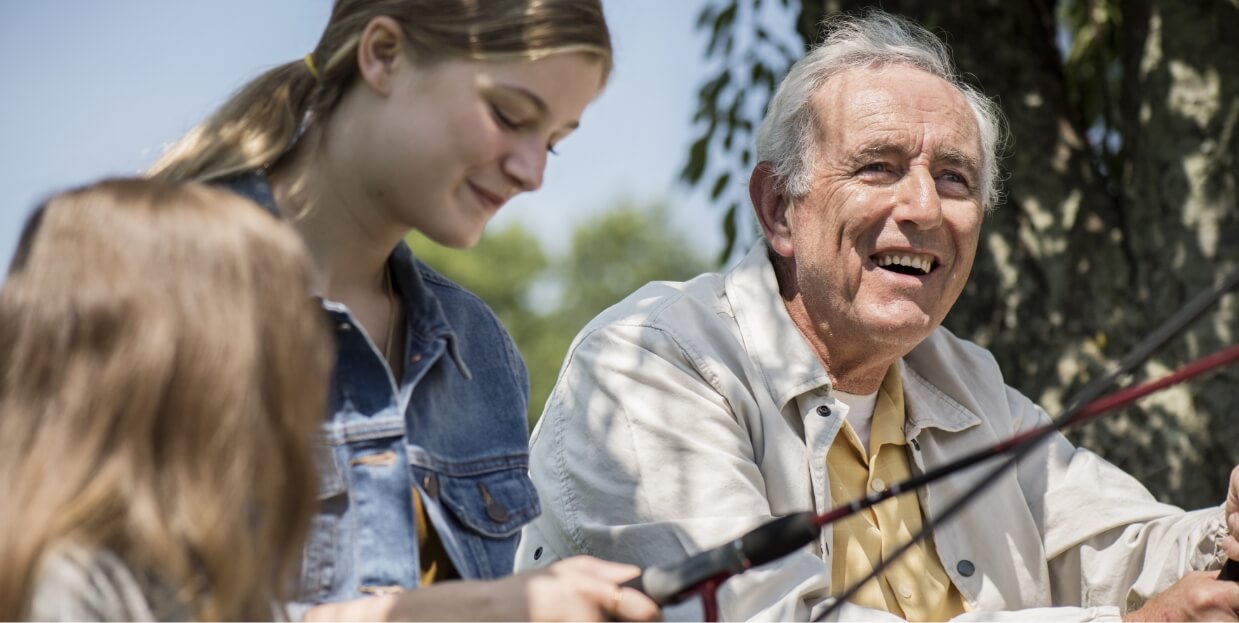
(817, 370)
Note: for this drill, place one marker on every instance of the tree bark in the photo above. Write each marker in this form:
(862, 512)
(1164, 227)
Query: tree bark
(1180, 109)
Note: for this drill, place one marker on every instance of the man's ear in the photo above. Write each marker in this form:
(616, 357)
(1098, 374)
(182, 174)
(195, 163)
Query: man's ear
(772, 208)
(379, 51)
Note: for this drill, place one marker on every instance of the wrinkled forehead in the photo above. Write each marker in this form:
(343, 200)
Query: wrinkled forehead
(894, 104)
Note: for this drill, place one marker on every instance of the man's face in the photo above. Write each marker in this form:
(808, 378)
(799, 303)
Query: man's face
(885, 238)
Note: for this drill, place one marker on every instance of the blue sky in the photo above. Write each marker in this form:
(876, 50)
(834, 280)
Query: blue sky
(97, 88)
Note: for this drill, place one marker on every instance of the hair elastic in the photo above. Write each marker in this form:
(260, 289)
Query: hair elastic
(309, 64)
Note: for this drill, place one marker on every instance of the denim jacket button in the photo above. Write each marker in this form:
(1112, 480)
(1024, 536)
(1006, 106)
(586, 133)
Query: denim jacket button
(496, 511)
(431, 485)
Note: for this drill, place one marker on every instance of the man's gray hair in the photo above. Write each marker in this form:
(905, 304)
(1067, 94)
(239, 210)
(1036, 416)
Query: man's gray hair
(787, 135)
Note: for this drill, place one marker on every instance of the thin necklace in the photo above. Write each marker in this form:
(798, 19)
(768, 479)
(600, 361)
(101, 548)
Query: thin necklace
(390, 294)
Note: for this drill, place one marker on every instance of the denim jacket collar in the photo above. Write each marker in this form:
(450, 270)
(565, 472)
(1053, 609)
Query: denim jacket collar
(424, 317)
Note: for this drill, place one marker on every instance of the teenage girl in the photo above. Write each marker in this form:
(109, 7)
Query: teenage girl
(422, 115)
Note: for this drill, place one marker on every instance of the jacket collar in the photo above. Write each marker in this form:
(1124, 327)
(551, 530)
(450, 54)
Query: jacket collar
(424, 316)
(927, 406)
(788, 365)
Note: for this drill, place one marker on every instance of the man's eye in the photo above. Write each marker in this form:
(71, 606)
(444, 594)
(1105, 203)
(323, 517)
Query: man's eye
(878, 171)
(954, 178)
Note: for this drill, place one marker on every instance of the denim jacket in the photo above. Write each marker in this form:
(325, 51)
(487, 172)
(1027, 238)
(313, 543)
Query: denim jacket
(454, 427)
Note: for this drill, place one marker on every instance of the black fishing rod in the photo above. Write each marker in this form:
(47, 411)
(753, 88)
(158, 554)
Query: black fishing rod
(705, 571)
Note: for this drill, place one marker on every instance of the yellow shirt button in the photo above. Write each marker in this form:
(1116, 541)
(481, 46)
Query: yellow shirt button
(878, 484)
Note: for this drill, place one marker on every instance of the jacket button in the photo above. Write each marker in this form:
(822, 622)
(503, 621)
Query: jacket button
(496, 512)
(823, 410)
(966, 568)
(537, 553)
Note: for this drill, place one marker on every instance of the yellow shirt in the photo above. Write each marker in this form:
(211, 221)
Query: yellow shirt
(915, 587)
(435, 563)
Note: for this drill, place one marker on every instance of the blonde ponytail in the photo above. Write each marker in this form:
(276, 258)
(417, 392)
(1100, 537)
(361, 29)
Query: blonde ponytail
(250, 131)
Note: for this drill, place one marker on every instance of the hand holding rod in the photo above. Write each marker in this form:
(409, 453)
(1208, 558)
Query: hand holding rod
(772, 540)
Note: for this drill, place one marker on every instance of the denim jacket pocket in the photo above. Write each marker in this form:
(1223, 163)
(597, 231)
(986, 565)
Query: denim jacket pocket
(330, 476)
(318, 564)
(493, 504)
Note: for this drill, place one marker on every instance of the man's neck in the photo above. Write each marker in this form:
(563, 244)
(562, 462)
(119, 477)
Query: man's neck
(855, 361)
(856, 366)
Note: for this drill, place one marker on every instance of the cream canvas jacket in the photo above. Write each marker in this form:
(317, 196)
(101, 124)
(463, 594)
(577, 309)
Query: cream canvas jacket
(690, 413)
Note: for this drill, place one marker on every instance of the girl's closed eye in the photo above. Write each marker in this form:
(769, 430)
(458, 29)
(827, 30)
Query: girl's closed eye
(505, 119)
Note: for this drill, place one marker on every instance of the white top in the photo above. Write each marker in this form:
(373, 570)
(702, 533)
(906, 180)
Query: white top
(859, 413)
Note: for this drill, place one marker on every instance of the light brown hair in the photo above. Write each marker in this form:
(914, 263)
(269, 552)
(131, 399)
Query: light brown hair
(260, 122)
(160, 372)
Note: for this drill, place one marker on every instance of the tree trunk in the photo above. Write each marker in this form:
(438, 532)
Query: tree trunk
(1180, 109)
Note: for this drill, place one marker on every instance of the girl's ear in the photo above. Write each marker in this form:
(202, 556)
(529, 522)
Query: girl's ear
(379, 51)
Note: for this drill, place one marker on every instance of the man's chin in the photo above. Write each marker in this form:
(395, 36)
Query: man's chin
(906, 323)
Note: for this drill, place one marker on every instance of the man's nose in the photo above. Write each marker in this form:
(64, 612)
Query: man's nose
(526, 162)
(917, 200)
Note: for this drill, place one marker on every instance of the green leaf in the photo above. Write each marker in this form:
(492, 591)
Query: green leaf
(705, 16)
(729, 233)
(722, 24)
(696, 165)
(720, 184)
(755, 75)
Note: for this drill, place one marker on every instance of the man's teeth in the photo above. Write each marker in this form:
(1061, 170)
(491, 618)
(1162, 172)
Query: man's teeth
(921, 263)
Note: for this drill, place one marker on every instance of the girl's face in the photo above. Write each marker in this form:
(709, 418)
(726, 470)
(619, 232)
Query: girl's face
(450, 142)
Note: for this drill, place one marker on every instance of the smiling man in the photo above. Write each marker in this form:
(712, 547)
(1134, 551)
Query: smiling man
(817, 370)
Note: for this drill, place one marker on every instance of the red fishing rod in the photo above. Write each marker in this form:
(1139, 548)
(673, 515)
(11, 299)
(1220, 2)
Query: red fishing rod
(702, 573)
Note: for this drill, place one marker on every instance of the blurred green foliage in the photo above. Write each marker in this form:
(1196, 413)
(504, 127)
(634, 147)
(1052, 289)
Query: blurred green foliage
(544, 301)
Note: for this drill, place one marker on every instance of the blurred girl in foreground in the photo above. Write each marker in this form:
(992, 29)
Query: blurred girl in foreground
(156, 433)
